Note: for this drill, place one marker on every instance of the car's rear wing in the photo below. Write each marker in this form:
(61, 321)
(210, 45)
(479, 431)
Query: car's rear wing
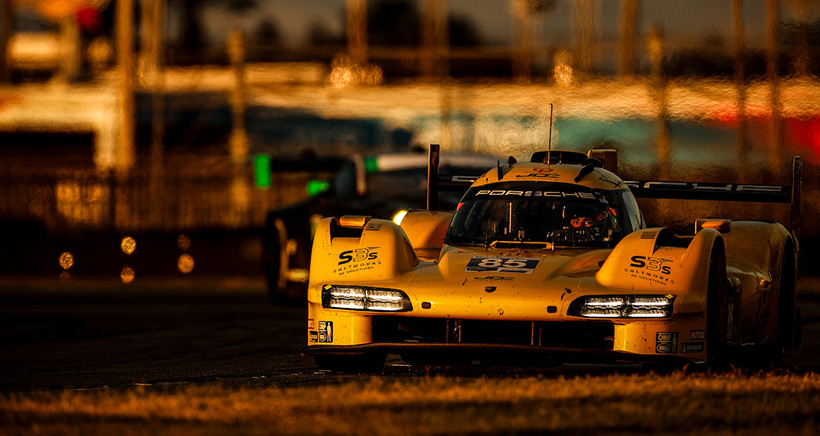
(745, 192)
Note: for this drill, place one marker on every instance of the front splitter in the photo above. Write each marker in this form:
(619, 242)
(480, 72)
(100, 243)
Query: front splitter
(490, 350)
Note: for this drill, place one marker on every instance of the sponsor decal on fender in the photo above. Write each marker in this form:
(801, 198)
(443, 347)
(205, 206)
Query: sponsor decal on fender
(358, 255)
(360, 259)
(652, 269)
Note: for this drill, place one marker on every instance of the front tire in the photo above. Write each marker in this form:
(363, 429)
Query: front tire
(716, 310)
(774, 355)
(788, 325)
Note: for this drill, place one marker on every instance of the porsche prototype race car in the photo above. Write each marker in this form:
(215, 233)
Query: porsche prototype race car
(551, 261)
(380, 185)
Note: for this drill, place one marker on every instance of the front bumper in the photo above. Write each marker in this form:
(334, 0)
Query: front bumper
(679, 338)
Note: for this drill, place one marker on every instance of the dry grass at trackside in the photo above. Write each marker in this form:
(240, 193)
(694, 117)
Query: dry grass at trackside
(676, 403)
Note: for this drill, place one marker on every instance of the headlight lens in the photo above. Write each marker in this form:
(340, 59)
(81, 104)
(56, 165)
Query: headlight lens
(623, 306)
(365, 298)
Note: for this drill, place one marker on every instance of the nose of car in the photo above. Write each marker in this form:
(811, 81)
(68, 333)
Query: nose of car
(493, 296)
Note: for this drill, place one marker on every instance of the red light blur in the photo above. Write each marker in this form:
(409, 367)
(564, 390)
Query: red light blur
(806, 133)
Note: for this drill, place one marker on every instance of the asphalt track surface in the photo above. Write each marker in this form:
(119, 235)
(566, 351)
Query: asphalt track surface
(58, 335)
(88, 335)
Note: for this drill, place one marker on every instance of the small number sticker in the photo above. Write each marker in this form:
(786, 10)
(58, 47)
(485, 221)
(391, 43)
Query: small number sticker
(502, 264)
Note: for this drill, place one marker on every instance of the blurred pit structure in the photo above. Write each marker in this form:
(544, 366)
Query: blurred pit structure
(186, 177)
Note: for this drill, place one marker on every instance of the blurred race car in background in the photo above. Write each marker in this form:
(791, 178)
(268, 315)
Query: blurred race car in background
(385, 185)
(550, 261)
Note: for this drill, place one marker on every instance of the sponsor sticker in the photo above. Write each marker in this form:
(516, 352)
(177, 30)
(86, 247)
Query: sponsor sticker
(539, 175)
(697, 335)
(655, 270)
(493, 279)
(549, 194)
(360, 259)
(358, 255)
(657, 264)
(691, 347)
(521, 265)
(666, 342)
(325, 331)
(311, 324)
(313, 336)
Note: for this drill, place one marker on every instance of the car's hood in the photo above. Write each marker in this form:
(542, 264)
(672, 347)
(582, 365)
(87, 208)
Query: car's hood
(471, 282)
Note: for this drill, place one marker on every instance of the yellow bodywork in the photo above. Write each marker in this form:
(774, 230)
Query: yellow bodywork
(440, 285)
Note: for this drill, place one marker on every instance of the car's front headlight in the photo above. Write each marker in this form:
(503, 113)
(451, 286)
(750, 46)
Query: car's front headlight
(623, 306)
(365, 298)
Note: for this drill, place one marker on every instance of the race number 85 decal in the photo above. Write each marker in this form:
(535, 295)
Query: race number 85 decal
(520, 265)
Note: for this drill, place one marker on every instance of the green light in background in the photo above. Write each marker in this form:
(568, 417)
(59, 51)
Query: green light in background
(261, 165)
(316, 187)
(371, 164)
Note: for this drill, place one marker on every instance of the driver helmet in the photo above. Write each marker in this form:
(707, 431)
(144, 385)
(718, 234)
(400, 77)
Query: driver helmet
(582, 216)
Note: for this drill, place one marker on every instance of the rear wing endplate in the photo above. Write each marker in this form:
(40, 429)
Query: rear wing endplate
(729, 191)
(437, 182)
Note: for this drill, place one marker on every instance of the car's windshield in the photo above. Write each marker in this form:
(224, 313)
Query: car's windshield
(551, 213)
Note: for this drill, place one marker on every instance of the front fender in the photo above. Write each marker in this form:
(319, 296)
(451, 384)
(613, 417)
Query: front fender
(656, 261)
(344, 253)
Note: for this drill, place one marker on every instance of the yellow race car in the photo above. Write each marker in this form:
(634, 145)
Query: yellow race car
(550, 261)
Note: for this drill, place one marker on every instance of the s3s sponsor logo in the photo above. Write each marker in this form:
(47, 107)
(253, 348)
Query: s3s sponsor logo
(652, 264)
(358, 255)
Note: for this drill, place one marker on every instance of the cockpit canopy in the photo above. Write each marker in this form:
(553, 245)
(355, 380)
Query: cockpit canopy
(548, 214)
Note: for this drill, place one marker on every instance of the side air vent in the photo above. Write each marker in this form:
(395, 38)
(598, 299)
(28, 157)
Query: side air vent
(340, 230)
